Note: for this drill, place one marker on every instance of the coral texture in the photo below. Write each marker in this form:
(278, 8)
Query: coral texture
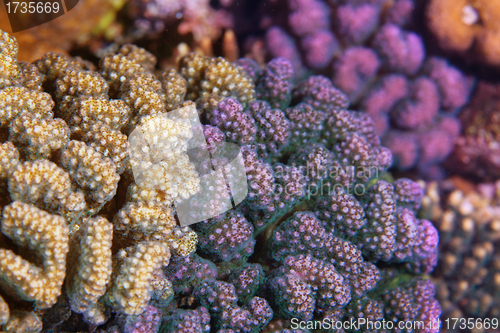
(372, 55)
(467, 218)
(323, 233)
(58, 174)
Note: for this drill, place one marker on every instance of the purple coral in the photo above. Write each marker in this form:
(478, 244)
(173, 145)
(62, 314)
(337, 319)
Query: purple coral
(378, 102)
(306, 124)
(275, 83)
(291, 296)
(250, 67)
(354, 70)
(366, 307)
(408, 233)
(260, 179)
(315, 159)
(187, 321)
(308, 16)
(453, 86)
(147, 322)
(380, 232)
(215, 295)
(237, 125)
(437, 144)
(187, 272)
(329, 287)
(357, 23)
(341, 213)
(420, 108)
(320, 48)
(319, 92)
(414, 300)
(303, 234)
(273, 128)
(380, 65)
(399, 50)
(226, 237)
(280, 44)
(221, 300)
(400, 13)
(404, 147)
(247, 281)
(408, 194)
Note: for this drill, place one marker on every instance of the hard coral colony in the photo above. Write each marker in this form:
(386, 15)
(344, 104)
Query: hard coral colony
(83, 245)
(325, 235)
(374, 57)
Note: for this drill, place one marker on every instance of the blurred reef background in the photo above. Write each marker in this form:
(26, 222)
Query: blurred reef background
(370, 135)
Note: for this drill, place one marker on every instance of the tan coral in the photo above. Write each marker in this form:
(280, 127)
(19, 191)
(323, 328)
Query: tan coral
(110, 143)
(74, 81)
(218, 76)
(163, 136)
(182, 241)
(46, 186)
(174, 87)
(158, 155)
(94, 173)
(135, 193)
(229, 80)
(76, 178)
(23, 322)
(31, 78)
(4, 312)
(142, 92)
(461, 24)
(16, 100)
(135, 266)
(469, 230)
(144, 222)
(176, 177)
(51, 64)
(81, 63)
(147, 217)
(47, 236)
(9, 70)
(145, 58)
(192, 67)
(9, 158)
(89, 276)
(36, 137)
(117, 68)
(86, 111)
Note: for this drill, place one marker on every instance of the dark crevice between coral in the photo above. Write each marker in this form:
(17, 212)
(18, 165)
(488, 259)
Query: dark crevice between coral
(14, 301)
(23, 251)
(4, 134)
(57, 315)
